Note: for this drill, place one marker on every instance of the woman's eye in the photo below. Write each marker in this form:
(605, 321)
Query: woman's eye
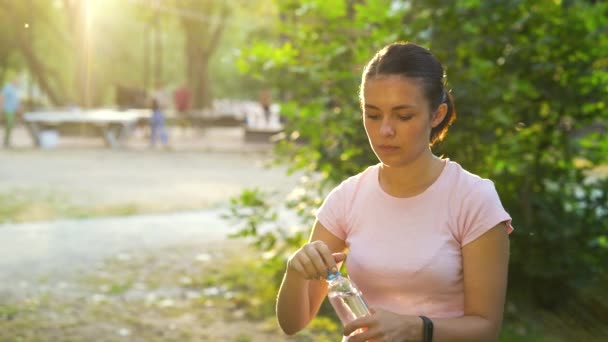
(405, 117)
(372, 116)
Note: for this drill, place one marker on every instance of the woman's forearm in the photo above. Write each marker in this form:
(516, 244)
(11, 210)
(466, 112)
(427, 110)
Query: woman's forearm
(299, 298)
(293, 303)
(466, 328)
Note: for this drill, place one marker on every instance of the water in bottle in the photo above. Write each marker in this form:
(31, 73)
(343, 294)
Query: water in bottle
(345, 298)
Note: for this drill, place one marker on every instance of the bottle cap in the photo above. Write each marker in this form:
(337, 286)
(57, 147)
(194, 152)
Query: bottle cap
(332, 276)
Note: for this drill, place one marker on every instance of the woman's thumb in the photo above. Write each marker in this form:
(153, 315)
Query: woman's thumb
(339, 257)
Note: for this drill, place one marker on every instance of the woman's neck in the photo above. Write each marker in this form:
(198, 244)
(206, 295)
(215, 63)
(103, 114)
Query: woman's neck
(412, 179)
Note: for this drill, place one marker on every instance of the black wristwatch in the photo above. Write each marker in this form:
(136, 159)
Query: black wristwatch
(427, 329)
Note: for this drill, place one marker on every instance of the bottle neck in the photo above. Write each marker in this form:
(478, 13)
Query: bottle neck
(331, 277)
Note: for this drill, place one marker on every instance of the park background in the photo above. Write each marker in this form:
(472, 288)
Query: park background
(530, 82)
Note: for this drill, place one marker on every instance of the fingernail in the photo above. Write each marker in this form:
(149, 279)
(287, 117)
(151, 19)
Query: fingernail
(334, 269)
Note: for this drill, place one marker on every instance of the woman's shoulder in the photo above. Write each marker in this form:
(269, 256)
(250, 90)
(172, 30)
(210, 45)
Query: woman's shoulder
(339, 201)
(355, 182)
(463, 182)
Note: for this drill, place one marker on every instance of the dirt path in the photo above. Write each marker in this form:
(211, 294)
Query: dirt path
(152, 181)
(57, 250)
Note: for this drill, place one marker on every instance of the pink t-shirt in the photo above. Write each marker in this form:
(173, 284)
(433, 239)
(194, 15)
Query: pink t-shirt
(405, 253)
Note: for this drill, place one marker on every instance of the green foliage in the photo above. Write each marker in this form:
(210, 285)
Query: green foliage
(275, 237)
(261, 222)
(538, 67)
(530, 81)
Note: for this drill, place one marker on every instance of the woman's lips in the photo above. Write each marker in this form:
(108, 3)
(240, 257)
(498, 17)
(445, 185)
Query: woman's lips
(388, 148)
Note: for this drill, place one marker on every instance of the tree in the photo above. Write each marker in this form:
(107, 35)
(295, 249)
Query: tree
(203, 31)
(17, 17)
(529, 78)
(541, 67)
(78, 18)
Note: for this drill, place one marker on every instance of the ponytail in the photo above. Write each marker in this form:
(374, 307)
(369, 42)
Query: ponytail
(439, 132)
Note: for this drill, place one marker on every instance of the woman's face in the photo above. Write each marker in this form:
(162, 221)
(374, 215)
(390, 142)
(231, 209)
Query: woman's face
(396, 118)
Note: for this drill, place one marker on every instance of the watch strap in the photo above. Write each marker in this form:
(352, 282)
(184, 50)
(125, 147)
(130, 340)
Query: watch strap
(427, 329)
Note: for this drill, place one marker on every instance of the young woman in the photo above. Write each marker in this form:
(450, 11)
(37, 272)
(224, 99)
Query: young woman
(427, 241)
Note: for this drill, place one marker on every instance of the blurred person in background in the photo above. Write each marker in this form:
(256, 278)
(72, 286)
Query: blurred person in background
(161, 97)
(157, 126)
(181, 101)
(9, 101)
(265, 101)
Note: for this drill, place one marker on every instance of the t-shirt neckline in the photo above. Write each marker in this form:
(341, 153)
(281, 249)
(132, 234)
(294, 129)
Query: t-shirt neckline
(431, 188)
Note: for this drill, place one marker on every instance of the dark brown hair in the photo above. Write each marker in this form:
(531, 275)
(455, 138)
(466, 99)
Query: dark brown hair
(413, 61)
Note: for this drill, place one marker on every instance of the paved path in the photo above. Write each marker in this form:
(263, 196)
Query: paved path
(64, 248)
(162, 181)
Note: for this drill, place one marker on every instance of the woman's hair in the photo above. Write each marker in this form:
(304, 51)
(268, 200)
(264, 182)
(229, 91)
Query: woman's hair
(413, 61)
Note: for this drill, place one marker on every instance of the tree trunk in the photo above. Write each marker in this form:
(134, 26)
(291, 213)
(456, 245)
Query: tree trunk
(77, 20)
(41, 73)
(44, 76)
(205, 91)
(197, 62)
(200, 84)
(202, 40)
(158, 51)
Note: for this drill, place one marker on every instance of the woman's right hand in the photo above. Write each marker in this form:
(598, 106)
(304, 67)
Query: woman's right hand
(314, 260)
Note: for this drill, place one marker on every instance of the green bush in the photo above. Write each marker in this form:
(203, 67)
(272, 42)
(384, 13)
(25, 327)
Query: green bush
(530, 81)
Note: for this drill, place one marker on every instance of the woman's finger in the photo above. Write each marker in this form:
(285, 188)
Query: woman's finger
(328, 259)
(361, 322)
(307, 264)
(363, 335)
(316, 258)
(295, 265)
(339, 257)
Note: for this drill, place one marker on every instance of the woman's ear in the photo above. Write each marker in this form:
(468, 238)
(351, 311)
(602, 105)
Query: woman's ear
(439, 115)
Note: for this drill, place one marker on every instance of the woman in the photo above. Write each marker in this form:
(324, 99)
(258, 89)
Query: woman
(427, 241)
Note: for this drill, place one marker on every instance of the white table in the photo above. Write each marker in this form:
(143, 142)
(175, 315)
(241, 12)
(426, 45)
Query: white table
(114, 125)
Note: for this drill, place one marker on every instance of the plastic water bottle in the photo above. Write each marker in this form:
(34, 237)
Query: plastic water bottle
(345, 298)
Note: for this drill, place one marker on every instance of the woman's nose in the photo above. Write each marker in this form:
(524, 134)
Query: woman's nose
(387, 129)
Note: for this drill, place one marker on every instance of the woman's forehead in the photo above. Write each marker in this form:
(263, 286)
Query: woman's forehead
(392, 88)
(393, 78)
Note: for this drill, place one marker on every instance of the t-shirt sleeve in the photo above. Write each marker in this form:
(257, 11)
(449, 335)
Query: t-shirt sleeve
(332, 213)
(481, 210)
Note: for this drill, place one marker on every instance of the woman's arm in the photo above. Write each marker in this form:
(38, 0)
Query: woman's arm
(485, 267)
(485, 263)
(300, 295)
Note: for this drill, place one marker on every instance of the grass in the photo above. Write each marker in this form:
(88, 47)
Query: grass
(23, 205)
(175, 294)
(153, 296)
(31, 205)
(533, 324)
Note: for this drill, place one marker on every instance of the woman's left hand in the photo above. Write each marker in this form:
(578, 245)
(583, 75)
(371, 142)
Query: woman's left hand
(385, 326)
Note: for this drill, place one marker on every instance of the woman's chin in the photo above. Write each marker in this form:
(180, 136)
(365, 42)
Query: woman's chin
(390, 161)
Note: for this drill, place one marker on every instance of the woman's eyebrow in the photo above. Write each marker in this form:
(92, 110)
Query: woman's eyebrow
(402, 106)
